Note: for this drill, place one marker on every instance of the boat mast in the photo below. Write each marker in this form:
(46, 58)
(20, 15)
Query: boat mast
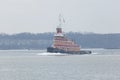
(61, 21)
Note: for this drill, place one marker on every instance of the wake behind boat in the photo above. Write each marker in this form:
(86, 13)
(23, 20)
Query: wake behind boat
(52, 54)
(63, 45)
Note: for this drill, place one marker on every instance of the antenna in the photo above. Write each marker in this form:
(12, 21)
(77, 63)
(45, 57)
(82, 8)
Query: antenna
(61, 21)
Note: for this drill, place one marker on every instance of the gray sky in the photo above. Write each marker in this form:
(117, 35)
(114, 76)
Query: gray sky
(37, 16)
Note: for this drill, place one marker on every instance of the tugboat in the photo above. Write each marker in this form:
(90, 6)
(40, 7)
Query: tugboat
(63, 45)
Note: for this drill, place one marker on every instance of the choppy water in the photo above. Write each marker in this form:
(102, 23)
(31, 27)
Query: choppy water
(38, 65)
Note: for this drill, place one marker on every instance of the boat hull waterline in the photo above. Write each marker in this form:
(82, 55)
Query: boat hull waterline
(55, 50)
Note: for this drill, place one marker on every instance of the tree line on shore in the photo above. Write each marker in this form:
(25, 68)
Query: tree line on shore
(44, 40)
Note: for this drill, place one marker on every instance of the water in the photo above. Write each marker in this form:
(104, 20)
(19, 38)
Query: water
(37, 65)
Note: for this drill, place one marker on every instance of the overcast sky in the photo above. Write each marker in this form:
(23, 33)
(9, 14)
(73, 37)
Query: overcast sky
(38, 16)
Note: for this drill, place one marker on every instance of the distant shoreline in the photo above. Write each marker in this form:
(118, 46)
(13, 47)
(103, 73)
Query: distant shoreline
(30, 41)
